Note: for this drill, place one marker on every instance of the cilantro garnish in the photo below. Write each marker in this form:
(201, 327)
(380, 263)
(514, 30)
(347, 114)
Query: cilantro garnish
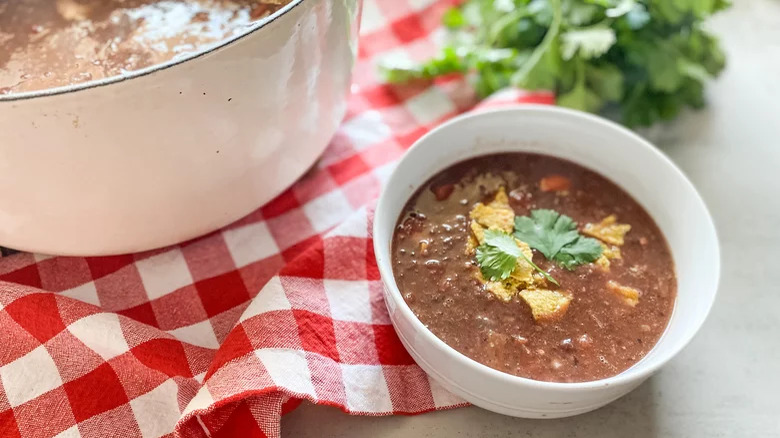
(497, 256)
(556, 236)
(640, 59)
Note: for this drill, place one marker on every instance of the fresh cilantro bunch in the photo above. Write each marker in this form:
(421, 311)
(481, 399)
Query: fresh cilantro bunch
(643, 59)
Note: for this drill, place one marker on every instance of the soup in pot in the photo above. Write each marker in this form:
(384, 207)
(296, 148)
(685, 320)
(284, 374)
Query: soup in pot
(53, 43)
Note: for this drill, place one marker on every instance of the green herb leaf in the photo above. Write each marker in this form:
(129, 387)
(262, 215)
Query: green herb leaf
(637, 17)
(504, 5)
(623, 7)
(547, 231)
(556, 237)
(503, 241)
(497, 256)
(454, 18)
(449, 60)
(579, 13)
(580, 97)
(578, 252)
(588, 43)
(606, 81)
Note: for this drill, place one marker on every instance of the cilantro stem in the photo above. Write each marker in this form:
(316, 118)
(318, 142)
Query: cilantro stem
(541, 271)
(580, 68)
(501, 24)
(551, 34)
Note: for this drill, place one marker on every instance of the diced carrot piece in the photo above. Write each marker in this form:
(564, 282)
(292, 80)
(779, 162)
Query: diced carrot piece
(554, 183)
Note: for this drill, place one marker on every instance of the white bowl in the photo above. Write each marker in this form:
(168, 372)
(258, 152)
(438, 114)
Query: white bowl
(173, 151)
(629, 161)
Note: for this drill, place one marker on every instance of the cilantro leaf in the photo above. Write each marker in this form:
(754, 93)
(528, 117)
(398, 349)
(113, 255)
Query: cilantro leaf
(401, 69)
(503, 241)
(555, 235)
(454, 18)
(497, 256)
(578, 252)
(623, 7)
(580, 97)
(589, 42)
(606, 81)
(495, 264)
(592, 88)
(504, 5)
(547, 231)
(579, 13)
(660, 60)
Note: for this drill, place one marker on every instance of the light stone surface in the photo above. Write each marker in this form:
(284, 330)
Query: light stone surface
(726, 383)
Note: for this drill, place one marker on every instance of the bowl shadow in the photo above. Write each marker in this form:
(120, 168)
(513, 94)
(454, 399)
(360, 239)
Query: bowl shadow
(634, 416)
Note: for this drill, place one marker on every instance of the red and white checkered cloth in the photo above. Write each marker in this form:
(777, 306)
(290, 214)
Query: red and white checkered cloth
(221, 335)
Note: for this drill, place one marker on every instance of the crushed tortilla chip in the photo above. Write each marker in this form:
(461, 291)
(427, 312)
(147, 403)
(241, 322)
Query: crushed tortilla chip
(501, 200)
(608, 252)
(478, 232)
(471, 245)
(629, 295)
(611, 252)
(504, 289)
(493, 218)
(476, 237)
(546, 305)
(603, 263)
(496, 215)
(608, 230)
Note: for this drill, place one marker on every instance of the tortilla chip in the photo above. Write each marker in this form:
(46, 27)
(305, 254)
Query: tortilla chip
(608, 252)
(546, 305)
(608, 230)
(496, 215)
(628, 294)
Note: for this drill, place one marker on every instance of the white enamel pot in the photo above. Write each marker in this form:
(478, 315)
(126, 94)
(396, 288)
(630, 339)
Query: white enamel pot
(174, 151)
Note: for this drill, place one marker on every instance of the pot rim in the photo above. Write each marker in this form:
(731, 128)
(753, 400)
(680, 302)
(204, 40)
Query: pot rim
(29, 95)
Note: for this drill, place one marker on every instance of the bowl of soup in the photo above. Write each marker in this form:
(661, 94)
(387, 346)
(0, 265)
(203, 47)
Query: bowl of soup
(541, 262)
(130, 125)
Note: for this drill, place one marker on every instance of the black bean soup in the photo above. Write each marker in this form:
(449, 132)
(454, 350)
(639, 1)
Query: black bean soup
(498, 215)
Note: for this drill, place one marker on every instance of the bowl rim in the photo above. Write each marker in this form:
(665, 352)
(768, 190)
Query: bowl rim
(633, 373)
(67, 89)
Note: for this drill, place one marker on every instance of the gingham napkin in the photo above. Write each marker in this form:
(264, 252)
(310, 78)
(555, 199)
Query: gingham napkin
(221, 335)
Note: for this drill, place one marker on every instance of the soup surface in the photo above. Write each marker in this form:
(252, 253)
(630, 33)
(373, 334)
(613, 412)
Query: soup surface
(53, 43)
(502, 214)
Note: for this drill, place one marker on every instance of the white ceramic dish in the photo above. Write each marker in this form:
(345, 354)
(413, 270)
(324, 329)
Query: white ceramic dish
(176, 150)
(628, 160)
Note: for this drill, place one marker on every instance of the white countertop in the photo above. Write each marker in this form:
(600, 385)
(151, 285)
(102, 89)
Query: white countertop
(726, 383)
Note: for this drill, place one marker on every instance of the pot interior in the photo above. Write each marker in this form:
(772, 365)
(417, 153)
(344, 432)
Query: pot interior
(54, 46)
